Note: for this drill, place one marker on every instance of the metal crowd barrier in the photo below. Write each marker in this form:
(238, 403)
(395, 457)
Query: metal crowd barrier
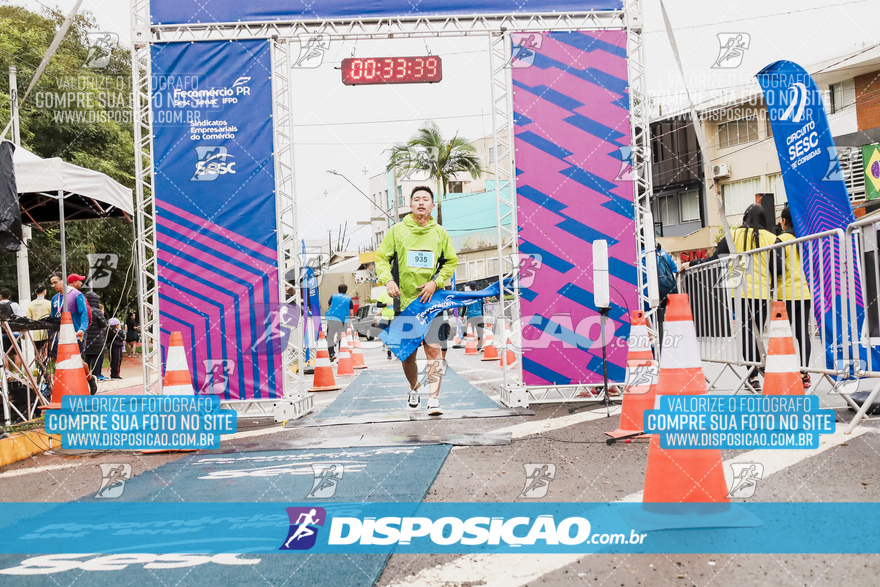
(863, 262)
(731, 299)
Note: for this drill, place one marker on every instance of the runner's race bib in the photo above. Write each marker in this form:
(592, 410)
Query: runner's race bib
(420, 259)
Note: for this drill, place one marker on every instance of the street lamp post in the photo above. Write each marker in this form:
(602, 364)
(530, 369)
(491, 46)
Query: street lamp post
(362, 193)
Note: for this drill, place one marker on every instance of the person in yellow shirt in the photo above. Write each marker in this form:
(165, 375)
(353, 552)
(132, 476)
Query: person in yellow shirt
(795, 292)
(386, 304)
(750, 280)
(38, 309)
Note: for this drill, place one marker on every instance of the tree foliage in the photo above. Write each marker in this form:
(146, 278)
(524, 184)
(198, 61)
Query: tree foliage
(82, 115)
(429, 151)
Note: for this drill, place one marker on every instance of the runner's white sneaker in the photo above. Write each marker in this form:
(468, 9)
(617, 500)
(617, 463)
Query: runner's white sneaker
(434, 407)
(413, 402)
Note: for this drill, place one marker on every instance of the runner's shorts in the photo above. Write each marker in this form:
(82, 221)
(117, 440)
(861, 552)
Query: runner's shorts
(438, 332)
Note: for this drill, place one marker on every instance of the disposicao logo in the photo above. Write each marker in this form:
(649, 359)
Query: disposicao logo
(303, 530)
(515, 532)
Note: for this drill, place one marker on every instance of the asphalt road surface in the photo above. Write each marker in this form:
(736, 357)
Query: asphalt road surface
(844, 468)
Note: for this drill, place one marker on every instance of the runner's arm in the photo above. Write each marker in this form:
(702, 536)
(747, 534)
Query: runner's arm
(83, 312)
(383, 259)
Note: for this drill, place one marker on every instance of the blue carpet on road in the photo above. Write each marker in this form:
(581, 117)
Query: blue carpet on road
(386, 391)
(372, 474)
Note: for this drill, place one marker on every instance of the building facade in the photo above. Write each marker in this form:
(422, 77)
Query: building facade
(742, 159)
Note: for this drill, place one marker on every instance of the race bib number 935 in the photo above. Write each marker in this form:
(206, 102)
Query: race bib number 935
(420, 259)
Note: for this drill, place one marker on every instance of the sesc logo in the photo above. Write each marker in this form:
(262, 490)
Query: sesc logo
(212, 163)
(797, 103)
(303, 530)
(58, 563)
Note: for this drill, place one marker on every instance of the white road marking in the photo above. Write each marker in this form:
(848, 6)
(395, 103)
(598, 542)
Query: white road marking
(478, 381)
(41, 469)
(494, 570)
(250, 433)
(529, 428)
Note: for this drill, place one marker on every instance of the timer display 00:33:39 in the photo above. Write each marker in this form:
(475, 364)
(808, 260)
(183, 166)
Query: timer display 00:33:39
(391, 70)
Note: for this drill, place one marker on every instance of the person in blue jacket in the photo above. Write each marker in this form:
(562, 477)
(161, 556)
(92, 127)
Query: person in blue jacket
(79, 312)
(338, 316)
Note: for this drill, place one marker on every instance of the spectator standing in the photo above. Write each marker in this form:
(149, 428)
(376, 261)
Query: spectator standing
(39, 309)
(751, 281)
(132, 333)
(79, 312)
(475, 314)
(116, 344)
(666, 284)
(338, 316)
(96, 337)
(386, 305)
(14, 310)
(795, 292)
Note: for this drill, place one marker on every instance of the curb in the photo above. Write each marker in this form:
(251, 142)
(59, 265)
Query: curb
(20, 445)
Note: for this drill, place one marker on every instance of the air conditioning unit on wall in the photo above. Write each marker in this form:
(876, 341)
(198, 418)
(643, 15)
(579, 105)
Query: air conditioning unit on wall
(720, 170)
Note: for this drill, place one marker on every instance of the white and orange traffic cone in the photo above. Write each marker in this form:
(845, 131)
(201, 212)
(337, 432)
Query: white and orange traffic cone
(682, 475)
(357, 357)
(641, 379)
(70, 378)
(177, 378)
(323, 380)
(505, 347)
(490, 353)
(470, 344)
(488, 337)
(344, 364)
(782, 374)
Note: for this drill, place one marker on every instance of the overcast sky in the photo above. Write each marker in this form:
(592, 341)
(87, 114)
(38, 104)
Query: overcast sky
(347, 128)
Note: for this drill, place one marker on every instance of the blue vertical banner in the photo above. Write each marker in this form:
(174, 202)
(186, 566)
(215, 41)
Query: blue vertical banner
(215, 213)
(817, 195)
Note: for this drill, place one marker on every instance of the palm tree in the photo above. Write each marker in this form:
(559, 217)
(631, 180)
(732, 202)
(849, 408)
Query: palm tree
(428, 151)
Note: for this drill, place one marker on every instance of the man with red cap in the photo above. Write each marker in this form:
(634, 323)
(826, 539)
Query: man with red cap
(79, 312)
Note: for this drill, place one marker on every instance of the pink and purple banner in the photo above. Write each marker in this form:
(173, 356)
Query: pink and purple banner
(574, 186)
(215, 214)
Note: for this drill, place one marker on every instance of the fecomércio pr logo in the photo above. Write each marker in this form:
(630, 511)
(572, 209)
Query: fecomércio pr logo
(303, 532)
(212, 163)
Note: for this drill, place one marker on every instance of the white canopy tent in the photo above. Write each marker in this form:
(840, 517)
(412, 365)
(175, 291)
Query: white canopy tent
(52, 190)
(81, 186)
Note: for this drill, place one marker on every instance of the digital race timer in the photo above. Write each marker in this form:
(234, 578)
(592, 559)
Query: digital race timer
(391, 70)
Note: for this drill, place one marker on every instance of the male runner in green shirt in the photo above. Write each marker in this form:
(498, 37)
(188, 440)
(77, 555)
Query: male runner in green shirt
(415, 259)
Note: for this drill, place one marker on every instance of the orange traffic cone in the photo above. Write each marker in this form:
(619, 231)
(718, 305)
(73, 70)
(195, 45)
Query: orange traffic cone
(357, 356)
(682, 475)
(70, 379)
(782, 374)
(490, 353)
(177, 378)
(641, 379)
(488, 337)
(470, 344)
(344, 364)
(505, 347)
(323, 380)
